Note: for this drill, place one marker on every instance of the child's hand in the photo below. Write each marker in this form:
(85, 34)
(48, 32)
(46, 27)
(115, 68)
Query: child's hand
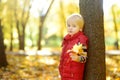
(77, 58)
(74, 57)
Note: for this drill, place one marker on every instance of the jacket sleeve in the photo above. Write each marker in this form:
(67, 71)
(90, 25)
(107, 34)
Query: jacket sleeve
(84, 40)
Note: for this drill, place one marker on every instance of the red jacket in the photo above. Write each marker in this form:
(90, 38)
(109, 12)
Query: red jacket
(71, 70)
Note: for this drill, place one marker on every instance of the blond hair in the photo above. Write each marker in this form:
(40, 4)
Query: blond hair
(77, 19)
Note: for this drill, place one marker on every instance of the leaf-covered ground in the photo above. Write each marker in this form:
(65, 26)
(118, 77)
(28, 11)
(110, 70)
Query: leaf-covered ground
(112, 67)
(36, 67)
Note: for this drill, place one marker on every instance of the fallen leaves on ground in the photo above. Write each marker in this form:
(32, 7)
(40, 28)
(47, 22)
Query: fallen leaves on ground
(36, 67)
(112, 67)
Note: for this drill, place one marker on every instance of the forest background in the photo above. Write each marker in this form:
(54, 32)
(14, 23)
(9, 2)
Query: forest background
(25, 23)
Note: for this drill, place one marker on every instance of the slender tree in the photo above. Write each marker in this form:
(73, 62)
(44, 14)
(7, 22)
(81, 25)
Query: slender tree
(92, 11)
(115, 26)
(11, 38)
(42, 19)
(62, 15)
(21, 21)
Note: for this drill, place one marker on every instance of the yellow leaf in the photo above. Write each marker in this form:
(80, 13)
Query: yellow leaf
(77, 48)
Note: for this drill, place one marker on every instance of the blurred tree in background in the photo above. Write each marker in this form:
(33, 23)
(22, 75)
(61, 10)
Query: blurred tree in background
(42, 20)
(3, 61)
(115, 21)
(111, 27)
(21, 19)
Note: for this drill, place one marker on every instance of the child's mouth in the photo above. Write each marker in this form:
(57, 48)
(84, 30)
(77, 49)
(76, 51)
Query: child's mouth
(70, 31)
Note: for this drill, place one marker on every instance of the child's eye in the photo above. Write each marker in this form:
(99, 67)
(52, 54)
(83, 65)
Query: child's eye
(68, 25)
(74, 26)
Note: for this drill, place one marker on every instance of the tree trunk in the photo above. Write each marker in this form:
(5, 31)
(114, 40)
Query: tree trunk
(11, 39)
(116, 30)
(42, 19)
(63, 21)
(3, 61)
(21, 22)
(40, 32)
(92, 11)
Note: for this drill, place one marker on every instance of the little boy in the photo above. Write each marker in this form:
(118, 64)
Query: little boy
(73, 55)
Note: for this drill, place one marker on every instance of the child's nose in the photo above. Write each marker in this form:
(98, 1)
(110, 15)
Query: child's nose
(70, 27)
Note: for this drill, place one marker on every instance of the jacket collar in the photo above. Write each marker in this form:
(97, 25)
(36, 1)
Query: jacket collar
(69, 37)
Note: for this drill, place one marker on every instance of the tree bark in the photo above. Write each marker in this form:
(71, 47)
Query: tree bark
(3, 61)
(92, 11)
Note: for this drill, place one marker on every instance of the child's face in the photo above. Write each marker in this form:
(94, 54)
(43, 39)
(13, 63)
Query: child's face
(72, 28)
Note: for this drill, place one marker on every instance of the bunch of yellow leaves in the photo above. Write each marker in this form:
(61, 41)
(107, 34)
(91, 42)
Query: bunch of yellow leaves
(79, 50)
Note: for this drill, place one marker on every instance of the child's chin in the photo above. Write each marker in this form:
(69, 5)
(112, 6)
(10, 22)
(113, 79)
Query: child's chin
(70, 34)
